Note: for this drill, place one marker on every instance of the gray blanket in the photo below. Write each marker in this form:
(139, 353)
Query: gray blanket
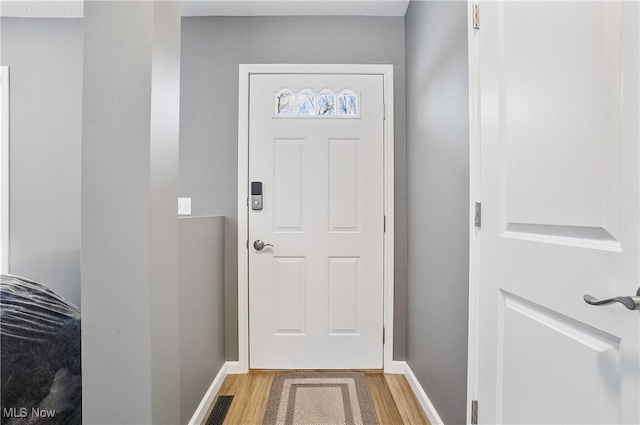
(40, 363)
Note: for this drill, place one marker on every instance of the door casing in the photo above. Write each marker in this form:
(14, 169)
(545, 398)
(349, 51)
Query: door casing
(245, 71)
(474, 196)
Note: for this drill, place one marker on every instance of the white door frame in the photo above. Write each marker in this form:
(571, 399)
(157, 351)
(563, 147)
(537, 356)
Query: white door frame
(245, 72)
(474, 196)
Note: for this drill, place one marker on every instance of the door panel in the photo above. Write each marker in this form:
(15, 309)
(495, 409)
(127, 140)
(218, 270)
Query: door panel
(316, 296)
(559, 102)
(290, 282)
(535, 379)
(344, 185)
(287, 185)
(559, 189)
(344, 295)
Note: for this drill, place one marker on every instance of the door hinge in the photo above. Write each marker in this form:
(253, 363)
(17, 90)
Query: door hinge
(384, 224)
(476, 16)
(478, 216)
(247, 201)
(247, 243)
(384, 334)
(474, 412)
(384, 112)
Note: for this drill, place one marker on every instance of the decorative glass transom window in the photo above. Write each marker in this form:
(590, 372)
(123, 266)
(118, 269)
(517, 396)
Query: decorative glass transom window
(306, 103)
(285, 102)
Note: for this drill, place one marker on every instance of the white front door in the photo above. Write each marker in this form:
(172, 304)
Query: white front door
(316, 155)
(560, 188)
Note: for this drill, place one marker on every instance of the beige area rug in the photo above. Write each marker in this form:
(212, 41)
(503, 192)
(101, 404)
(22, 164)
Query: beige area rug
(320, 398)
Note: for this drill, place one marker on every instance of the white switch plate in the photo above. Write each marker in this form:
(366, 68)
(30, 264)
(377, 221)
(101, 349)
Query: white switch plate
(184, 206)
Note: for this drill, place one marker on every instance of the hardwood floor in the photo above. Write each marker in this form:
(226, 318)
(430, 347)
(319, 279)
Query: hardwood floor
(392, 397)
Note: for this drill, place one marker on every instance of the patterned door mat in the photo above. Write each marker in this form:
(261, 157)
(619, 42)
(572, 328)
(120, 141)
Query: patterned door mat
(320, 398)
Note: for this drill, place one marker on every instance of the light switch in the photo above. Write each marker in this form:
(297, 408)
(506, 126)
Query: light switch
(184, 206)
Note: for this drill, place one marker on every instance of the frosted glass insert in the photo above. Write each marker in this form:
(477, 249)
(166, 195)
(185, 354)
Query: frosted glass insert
(285, 102)
(327, 103)
(306, 102)
(347, 103)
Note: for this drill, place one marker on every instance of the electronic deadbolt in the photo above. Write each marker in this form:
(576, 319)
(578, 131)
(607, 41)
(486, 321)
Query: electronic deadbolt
(256, 195)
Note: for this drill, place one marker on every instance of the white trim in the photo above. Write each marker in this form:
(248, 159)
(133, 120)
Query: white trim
(4, 169)
(209, 397)
(389, 211)
(422, 396)
(245, 70)
(233, 368)
(474, 196)
(397, 367)
(243, 214)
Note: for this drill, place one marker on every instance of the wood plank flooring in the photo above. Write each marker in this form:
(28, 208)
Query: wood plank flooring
(392, 397)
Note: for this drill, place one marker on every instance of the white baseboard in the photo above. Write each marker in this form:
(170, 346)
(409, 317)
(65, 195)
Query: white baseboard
(426, 404)
(210, 395)
(395, 367)
(234, 368)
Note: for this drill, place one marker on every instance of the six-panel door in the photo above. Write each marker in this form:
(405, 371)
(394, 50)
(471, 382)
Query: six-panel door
(316, 296)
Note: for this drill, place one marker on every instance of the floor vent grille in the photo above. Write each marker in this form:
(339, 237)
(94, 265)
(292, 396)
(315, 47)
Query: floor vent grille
(220, 410)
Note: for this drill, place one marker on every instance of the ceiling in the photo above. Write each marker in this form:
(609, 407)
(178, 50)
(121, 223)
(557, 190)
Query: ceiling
(74, 8)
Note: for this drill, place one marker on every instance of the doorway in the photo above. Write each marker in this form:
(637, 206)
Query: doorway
(316, 242)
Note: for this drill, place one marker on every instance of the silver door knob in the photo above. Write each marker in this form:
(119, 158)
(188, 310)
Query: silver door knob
(259, 245)
(632, 303)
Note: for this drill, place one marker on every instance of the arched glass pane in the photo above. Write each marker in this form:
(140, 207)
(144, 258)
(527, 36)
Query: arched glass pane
(326, 103)
(285, 102)
(306, 103)
(347, 103)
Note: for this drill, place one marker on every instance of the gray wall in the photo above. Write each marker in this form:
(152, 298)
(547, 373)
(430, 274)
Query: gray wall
(130, 294)
(163, 193)
(201, 265)
(45, 60)
(212, 48)
(438, 202)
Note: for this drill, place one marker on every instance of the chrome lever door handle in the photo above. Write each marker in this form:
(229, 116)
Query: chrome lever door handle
(632, 303)
(259, 245)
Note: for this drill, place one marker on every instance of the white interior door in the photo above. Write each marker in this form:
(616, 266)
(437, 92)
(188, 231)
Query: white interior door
(316, 295)
(560, 212)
